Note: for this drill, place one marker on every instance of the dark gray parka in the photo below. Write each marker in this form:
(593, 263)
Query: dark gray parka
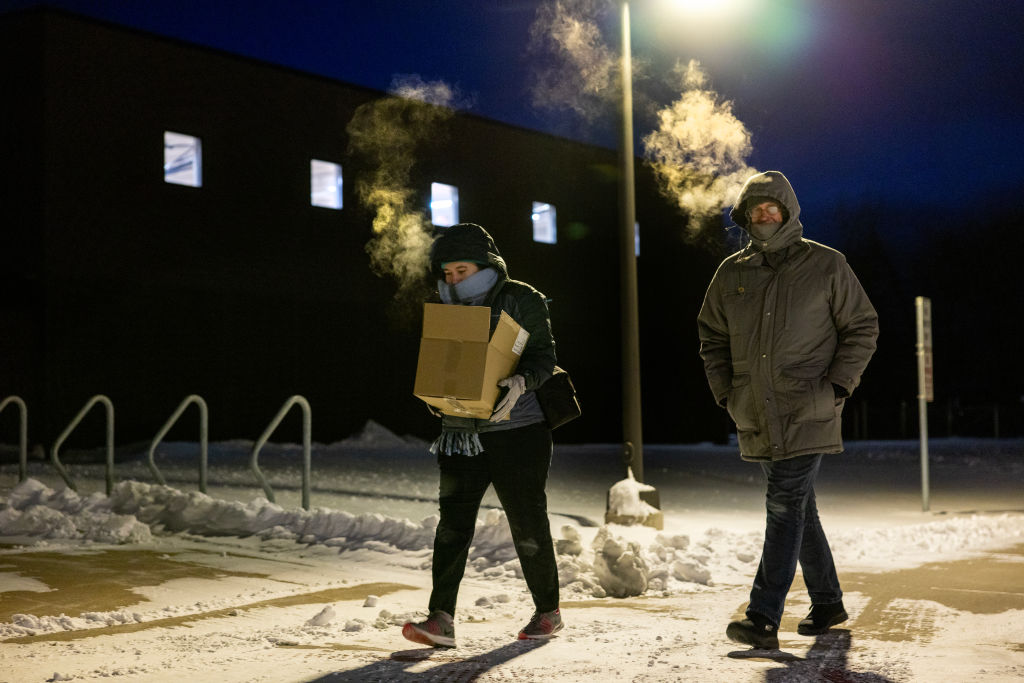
(786, 330)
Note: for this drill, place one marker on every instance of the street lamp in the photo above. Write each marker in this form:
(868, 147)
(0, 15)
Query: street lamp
(632, 423)
(631, 415)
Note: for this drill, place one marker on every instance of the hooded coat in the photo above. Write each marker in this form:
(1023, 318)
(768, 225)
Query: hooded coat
(786, 330)
(526, 305)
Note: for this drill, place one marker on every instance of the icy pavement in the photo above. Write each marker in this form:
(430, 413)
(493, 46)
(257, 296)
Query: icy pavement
(165, 583)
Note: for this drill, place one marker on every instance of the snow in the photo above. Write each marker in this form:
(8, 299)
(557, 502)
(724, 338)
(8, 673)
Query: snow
(640, 603)
(626, 505)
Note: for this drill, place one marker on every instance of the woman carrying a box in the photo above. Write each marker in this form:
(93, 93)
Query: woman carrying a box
(511, 450)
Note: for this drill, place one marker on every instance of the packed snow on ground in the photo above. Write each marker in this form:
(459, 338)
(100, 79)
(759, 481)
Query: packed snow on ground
(711, 540)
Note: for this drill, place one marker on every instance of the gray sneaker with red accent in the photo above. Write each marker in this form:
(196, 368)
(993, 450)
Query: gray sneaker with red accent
(438, 630)
(542, 625)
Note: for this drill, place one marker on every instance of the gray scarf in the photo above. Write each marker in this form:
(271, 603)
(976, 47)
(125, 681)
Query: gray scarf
(470, 292)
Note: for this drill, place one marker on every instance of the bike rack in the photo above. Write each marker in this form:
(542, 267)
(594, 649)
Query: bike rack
(307, 420)
(22, 434)
(204, 423)
(55, 459)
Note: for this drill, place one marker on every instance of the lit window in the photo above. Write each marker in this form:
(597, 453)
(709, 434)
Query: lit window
(444, 204)
(325, 184)
(636, 238)
(544, 229)
(183, 159)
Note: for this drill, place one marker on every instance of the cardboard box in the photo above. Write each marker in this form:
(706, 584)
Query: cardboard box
(461, 362)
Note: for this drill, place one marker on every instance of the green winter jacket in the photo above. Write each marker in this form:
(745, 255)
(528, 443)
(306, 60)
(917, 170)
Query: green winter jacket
(783, 346)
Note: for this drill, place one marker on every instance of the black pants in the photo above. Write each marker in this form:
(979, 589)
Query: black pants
(516, 462)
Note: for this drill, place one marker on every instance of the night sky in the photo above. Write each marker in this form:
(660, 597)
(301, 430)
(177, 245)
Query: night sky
(920, 103)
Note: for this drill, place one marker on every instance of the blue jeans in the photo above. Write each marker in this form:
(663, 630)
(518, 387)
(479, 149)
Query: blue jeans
(792, 533)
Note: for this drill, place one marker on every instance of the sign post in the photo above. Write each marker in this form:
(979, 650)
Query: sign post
(925, 385)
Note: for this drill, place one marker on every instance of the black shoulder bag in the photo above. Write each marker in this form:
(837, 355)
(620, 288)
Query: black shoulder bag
(557, 398)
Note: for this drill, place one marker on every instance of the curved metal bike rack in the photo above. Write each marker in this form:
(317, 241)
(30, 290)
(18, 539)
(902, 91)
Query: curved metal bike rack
(55, 459)
(204, 428)
(22, 434)
(307, 421)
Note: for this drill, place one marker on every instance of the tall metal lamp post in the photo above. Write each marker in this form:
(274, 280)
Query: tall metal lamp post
(631, 413)
(632, 424)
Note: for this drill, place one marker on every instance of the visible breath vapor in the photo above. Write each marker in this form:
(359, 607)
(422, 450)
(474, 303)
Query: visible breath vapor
(580, 72)
(699, 150)
(387, 134)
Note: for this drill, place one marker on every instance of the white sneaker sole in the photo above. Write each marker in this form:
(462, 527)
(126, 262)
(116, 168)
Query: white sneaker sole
(545, 636)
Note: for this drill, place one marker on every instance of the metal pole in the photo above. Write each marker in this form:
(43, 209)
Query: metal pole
(307, 427)
(204, 437)
(922, 407)
(631, 417)
(55, 450)
(22, 433)
(922, 307)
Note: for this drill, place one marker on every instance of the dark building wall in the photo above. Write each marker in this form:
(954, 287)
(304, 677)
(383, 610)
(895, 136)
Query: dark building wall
(673, 274)
(21, 218)
(242, 292)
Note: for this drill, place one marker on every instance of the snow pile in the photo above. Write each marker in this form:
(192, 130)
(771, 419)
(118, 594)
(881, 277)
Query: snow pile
(32, 509)
(894, 546)
(323, 617)
(28, 624)
(134, 508)
(376, 435)
(619, 563)
(626, 504)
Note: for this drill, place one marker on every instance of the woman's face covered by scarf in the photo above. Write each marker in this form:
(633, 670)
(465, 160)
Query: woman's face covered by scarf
(457, 271)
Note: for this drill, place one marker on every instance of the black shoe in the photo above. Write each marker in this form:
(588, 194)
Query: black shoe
(755, 631)
(821, 618)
